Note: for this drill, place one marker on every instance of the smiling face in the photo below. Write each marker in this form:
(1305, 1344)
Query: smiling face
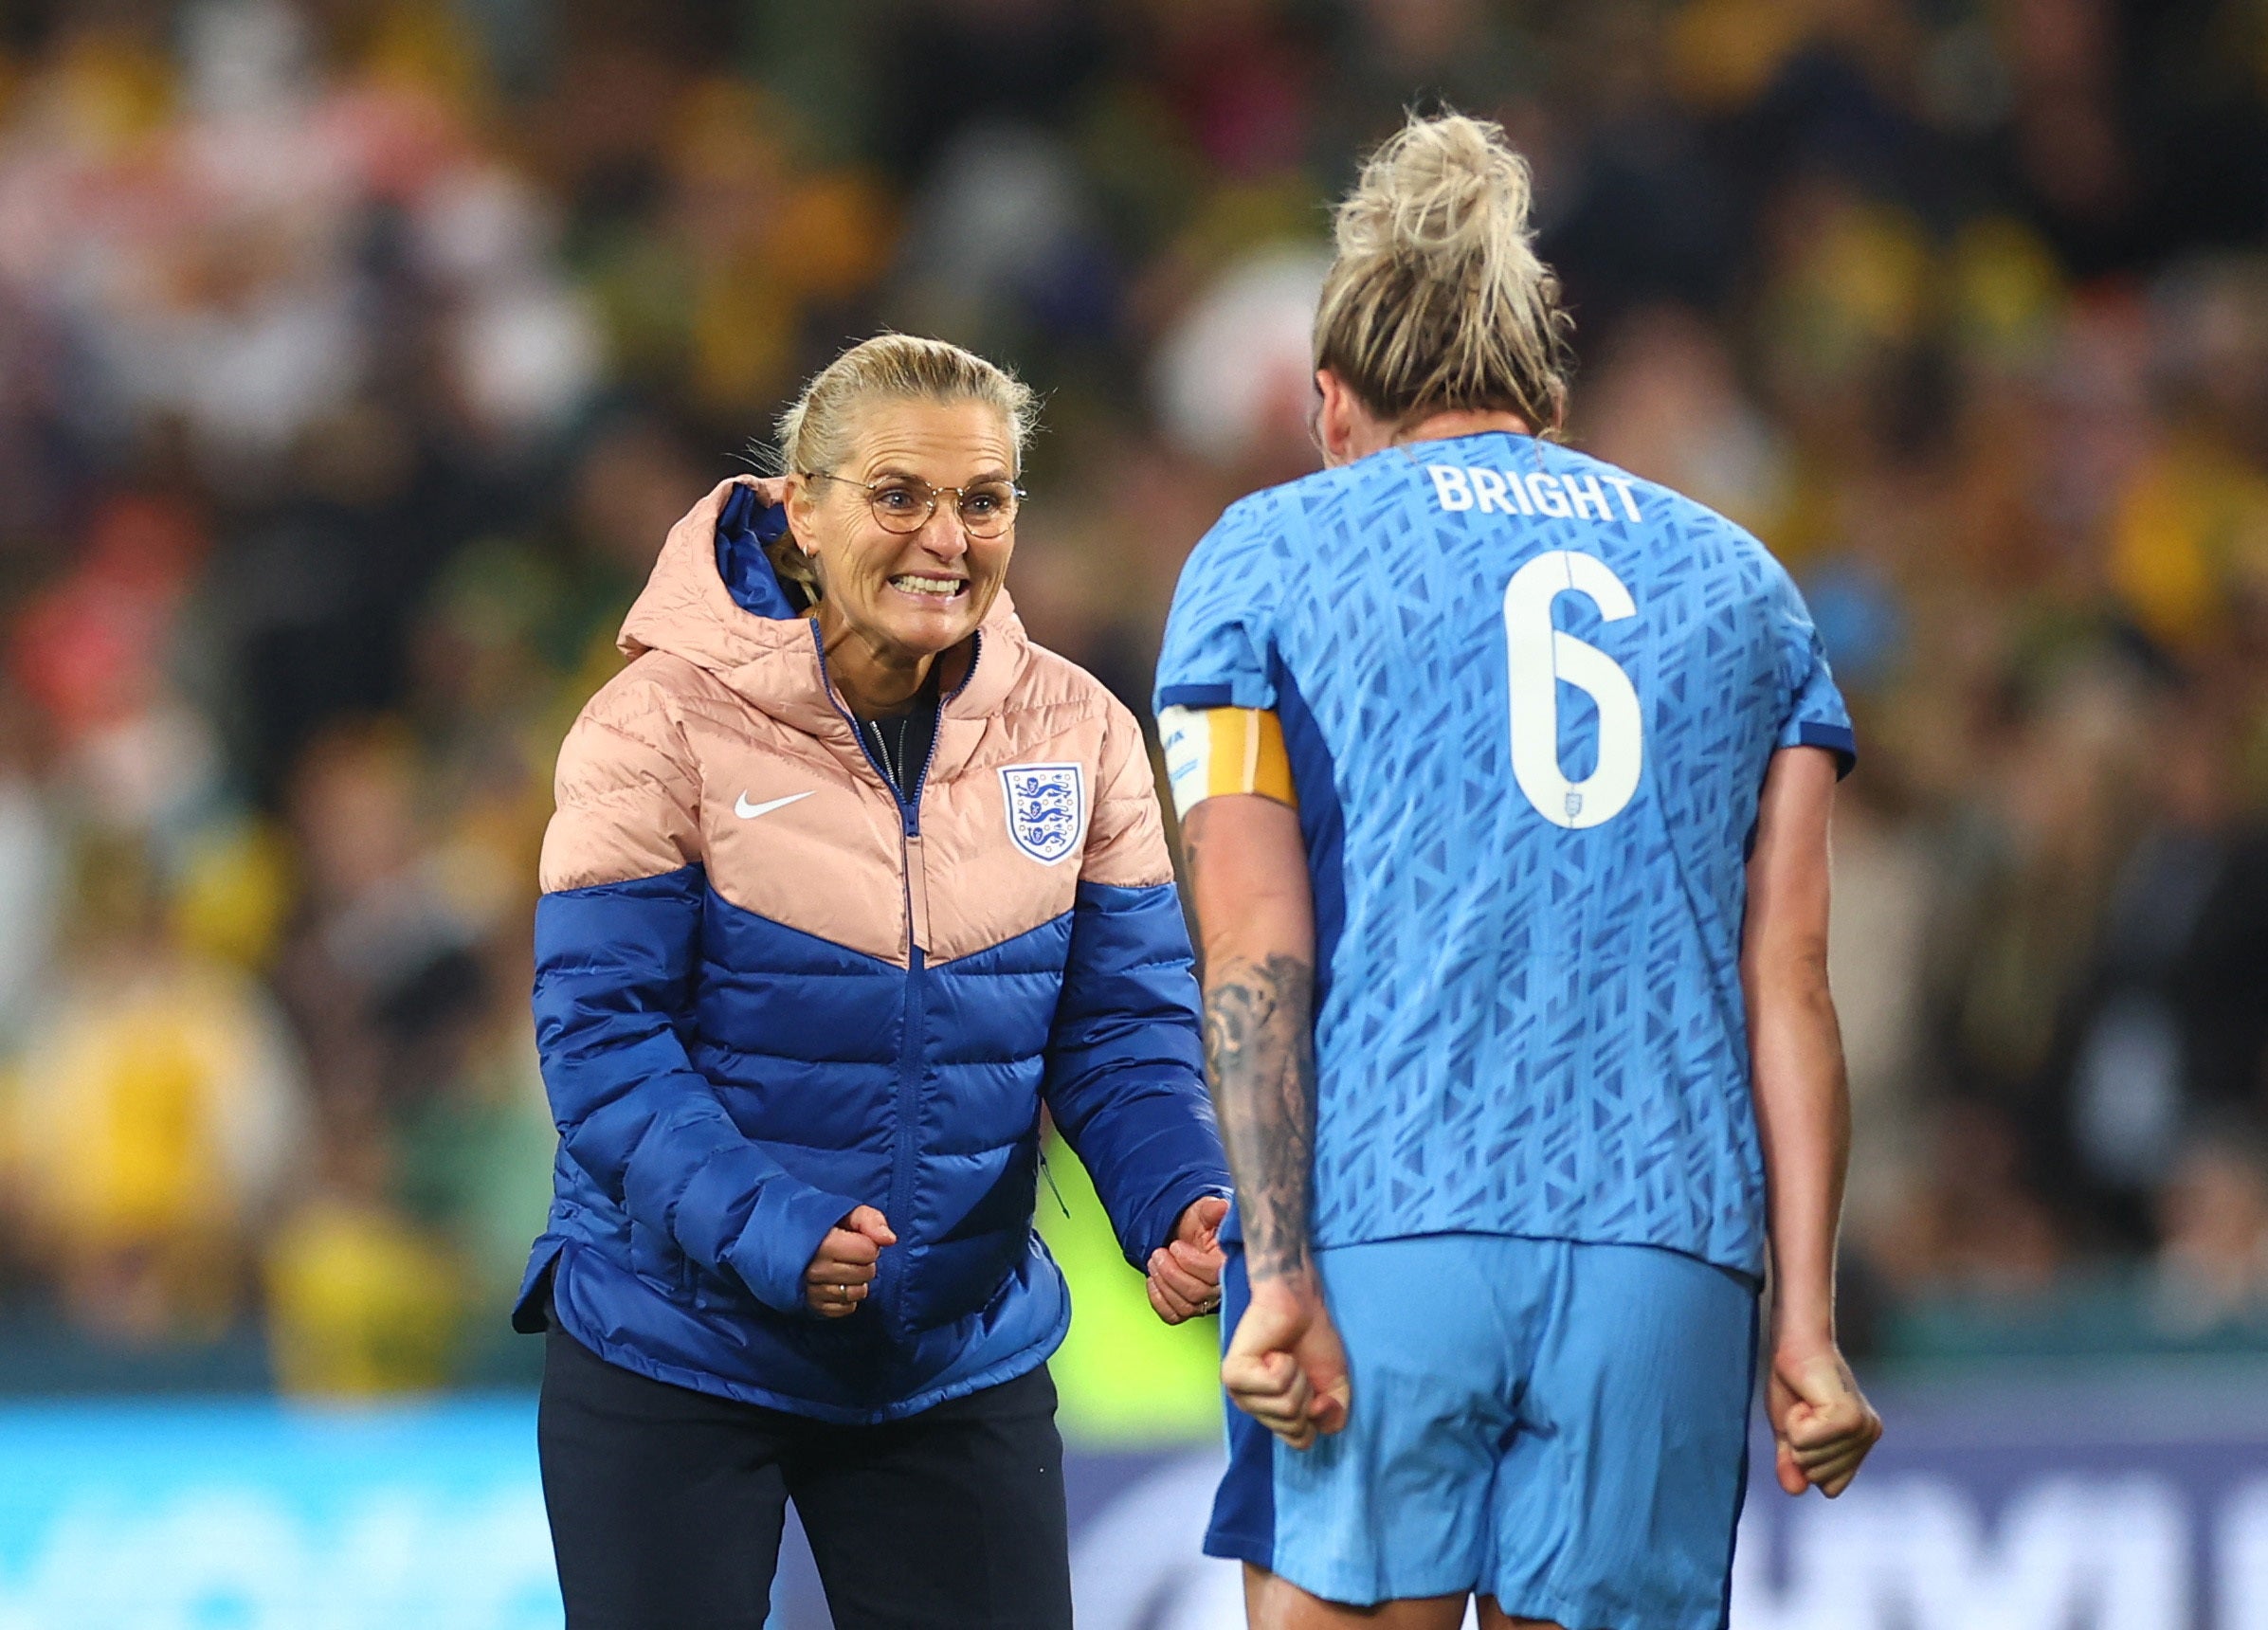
(906, 597)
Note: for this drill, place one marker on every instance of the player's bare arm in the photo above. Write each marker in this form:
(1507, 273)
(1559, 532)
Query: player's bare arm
(1259, 1047)
(1821, 1423)
(1256, 918)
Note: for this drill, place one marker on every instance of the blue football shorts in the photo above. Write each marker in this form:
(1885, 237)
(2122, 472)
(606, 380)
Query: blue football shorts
(1562, 1426)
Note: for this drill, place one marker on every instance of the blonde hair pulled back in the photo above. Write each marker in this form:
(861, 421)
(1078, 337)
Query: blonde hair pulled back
(1436, 300)
(815, 431)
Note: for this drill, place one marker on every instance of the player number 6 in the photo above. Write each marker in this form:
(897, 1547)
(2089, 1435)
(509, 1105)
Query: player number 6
(1541, 656)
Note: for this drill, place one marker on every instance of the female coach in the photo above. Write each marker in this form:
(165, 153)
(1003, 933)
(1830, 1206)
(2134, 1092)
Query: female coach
(847, 879)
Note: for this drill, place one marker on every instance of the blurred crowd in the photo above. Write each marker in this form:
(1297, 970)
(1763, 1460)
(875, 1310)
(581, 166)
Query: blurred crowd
(355, 355)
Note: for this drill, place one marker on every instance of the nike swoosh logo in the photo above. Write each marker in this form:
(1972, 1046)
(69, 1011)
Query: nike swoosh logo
(748, 811)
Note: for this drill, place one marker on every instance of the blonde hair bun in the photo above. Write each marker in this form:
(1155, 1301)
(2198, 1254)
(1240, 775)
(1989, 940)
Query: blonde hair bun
(1437, 300)
(1447, 187)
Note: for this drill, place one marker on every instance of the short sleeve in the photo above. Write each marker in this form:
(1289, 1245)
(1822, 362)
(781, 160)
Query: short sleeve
(1219, 636)
(1815, 714)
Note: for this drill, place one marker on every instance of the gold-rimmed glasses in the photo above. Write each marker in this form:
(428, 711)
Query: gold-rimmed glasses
(905, 503)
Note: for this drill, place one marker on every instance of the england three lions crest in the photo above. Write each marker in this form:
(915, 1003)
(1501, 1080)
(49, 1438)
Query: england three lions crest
(1048, 808)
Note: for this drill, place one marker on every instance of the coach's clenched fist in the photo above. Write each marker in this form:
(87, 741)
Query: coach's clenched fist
(842, 1270)
(1185, 1272)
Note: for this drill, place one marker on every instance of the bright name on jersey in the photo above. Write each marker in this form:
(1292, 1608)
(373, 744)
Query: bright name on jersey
(1538, 492)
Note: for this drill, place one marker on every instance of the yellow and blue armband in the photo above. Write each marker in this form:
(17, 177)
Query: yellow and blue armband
(1214, 750)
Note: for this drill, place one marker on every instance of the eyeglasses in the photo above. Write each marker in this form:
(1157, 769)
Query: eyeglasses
(905, 503)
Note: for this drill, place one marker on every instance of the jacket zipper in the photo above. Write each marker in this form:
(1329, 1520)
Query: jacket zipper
(910, 1051)
(909, 809)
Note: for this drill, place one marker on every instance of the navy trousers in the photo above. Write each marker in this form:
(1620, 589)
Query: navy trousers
(667, 1505)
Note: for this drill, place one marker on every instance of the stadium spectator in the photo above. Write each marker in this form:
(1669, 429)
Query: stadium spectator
(2212, 1263)
(158, 1119)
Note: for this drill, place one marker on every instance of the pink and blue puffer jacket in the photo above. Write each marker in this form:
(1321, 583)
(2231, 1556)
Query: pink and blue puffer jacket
(768, 990)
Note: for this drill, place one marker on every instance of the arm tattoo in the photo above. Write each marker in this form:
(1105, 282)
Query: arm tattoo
(1259, 1047)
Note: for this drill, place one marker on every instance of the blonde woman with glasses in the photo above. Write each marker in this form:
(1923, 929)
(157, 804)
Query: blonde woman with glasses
(848, 881)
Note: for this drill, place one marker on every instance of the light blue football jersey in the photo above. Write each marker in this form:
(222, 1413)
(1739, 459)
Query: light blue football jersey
(1529, 700)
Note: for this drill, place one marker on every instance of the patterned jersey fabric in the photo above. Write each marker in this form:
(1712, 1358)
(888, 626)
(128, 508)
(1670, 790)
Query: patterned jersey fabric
(1529, 700)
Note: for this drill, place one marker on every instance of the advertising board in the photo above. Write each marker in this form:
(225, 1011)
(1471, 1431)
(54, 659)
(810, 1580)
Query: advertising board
(2126, 1501)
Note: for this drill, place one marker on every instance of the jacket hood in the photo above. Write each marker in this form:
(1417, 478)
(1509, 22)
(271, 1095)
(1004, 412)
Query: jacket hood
(713, 600)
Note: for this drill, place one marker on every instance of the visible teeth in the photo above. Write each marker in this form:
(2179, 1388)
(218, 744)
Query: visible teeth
(912, 584)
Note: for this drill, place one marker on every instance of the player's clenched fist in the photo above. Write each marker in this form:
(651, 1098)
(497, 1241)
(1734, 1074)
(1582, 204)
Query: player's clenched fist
(1285, 1366)
(1821, 1423)
(842, 1270)
(1185, 1272)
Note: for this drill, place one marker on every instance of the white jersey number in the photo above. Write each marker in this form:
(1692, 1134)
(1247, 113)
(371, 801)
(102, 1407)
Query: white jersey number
(1541, 656)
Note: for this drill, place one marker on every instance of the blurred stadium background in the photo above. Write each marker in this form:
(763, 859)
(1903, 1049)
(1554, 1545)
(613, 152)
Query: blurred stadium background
(355, 353)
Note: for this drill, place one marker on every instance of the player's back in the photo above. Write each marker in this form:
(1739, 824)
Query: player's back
(1527, 701)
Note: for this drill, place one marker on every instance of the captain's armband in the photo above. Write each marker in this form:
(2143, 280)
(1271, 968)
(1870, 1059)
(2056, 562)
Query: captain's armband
(1214, 750)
